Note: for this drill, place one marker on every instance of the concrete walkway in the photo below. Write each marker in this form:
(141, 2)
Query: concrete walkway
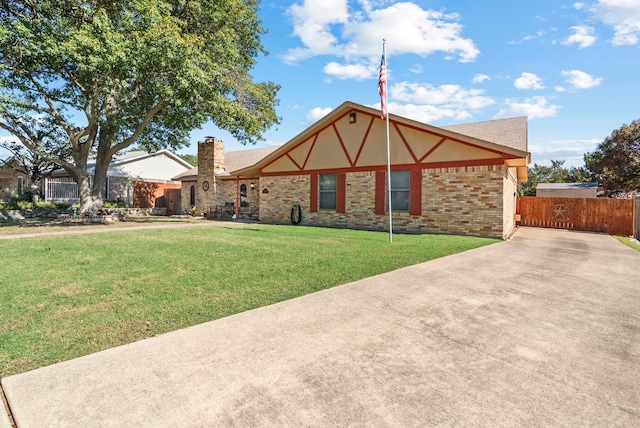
(540, 330)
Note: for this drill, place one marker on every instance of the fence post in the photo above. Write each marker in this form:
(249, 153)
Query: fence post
(636, 217)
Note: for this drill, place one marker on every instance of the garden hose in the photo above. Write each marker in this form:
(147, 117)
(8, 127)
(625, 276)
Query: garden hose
(296, 214)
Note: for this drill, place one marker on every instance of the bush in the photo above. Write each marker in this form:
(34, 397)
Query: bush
(116, 204)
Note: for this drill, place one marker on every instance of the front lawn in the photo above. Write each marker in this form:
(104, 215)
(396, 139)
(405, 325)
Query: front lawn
(66, 296)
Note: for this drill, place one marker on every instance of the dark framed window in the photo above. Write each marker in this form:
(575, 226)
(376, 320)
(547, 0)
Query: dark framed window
(328, 186)
(400, 190)
(192, 196)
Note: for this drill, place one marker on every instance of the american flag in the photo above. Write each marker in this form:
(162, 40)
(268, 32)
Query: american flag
(382, 88)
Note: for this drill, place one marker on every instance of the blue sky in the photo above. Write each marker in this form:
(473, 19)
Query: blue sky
(571, 67)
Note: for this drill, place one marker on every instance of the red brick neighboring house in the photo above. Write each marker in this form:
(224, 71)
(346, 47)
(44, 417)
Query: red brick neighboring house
(458, 179)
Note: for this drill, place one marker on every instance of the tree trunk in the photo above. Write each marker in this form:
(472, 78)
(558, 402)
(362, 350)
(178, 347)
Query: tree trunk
(34, 188)
(88, 200)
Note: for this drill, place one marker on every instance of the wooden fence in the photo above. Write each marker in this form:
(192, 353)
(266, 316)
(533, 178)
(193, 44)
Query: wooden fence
(636, 226)
(612, 216)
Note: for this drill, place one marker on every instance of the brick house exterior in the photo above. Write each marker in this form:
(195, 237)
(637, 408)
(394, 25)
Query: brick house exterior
(459, 179)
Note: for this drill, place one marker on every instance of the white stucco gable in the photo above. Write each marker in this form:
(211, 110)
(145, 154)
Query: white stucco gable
(162, 165)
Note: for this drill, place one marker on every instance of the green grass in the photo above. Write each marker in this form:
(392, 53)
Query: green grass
(627, 241)
(66, 296)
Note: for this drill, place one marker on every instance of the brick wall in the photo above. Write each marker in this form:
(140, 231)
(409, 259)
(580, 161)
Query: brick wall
(464, 200)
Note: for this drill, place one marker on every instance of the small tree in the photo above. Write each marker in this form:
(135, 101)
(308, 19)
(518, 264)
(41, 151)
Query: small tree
(32, 163)
(616, 161)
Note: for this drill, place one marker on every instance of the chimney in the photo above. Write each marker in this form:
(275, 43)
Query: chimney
(211, 155)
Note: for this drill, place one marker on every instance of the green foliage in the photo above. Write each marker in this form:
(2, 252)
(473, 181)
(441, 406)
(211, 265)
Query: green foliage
(99, 296)
(21, 203)
(192, 159)
(556, 173)
(116, 204)
(101, 76)
(616, 161)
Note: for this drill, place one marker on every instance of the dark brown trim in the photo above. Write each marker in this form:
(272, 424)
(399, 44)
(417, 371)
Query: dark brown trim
(344, 148)
(380, 191)
(415, 192)
(406, 144)
(364, 139)
(313, 194)
(449, 164)
(341, 190)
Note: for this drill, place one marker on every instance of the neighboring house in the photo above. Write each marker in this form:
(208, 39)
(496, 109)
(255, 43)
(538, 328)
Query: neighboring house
(137, 178)
(12, 182)
(567, 190)
(458, 179)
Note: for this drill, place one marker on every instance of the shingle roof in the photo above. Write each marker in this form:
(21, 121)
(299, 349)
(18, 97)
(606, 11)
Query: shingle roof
(234, 161)
(511, 132)
(550, 186)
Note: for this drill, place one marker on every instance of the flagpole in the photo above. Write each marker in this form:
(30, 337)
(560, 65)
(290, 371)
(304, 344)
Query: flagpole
(384, 55)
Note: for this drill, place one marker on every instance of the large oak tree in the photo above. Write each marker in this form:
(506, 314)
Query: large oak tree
(101, 75)
(615, 163)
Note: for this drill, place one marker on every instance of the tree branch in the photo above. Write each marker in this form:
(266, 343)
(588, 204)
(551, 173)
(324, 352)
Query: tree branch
(140, 128)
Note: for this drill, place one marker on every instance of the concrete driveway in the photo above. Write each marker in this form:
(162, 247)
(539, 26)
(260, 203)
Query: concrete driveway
(540, 330)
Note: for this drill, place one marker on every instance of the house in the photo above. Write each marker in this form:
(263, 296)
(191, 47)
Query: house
(137, 178)
(458, 179)
(12, 182)
(567, 190)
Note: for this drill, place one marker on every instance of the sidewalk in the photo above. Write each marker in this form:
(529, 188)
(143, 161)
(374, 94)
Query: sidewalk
(540, 330)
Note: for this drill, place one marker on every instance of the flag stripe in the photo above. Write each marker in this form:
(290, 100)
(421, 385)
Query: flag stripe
(382, 88)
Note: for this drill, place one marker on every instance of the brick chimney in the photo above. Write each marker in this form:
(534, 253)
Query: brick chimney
(211, 157)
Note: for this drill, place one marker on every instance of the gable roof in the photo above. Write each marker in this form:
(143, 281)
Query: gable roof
(511, 132)
(507, 143)
(232, 161)
(136, 155)
(244, 158)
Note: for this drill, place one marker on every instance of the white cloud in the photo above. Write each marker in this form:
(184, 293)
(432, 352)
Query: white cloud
(349, 71)
(578, 5)
(535, 107)
(317, 113)
(416, 69)
(583, 36)
(623, 16)
(312, 23)
(528, 81)
(571, 151)
(479, 78)
(425, 113)
(528, 37)
(580, 80)
(448, 96)
(335, 27)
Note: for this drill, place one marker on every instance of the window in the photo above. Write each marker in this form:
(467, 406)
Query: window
(328, 191)
(243, 195)
(400, 190)
(192, 196)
